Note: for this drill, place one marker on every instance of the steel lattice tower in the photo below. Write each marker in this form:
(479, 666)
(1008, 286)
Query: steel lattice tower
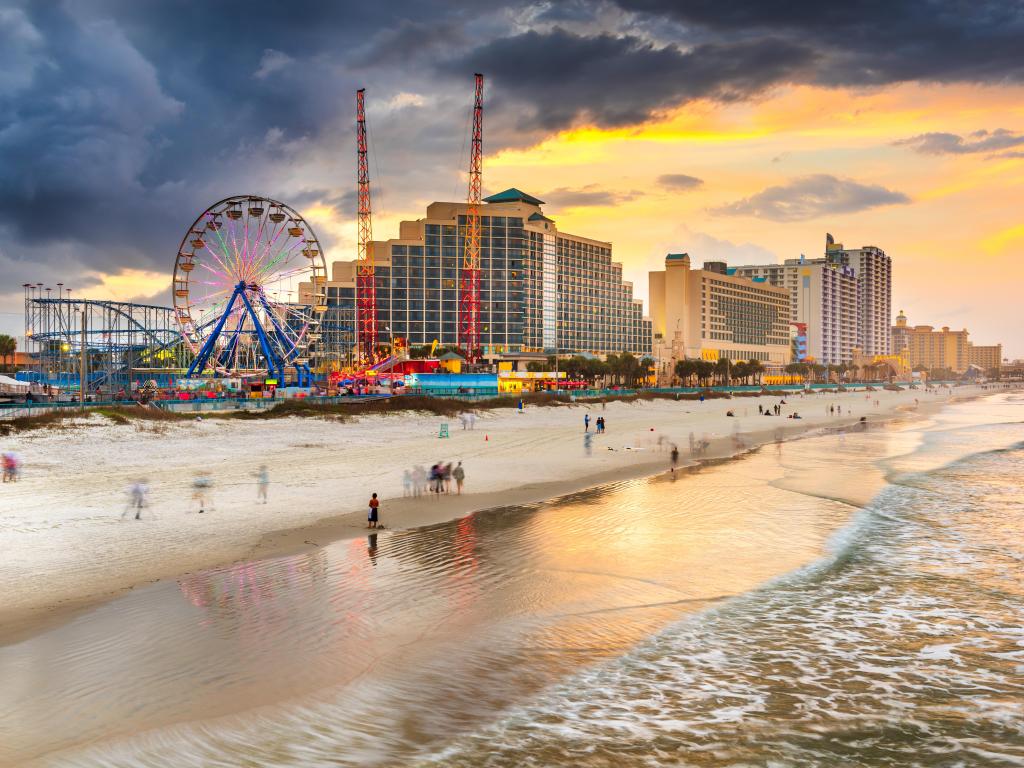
(366, 289)
(469, 290)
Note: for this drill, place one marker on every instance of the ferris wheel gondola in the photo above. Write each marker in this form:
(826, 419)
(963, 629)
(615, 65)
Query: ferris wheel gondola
(250, 289)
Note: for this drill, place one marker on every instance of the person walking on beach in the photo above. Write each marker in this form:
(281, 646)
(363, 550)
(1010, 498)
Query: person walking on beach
(674, 457)
(201, 486)
(137, 498)
(371, 515)
(262, 483)
(10, 462)
(586, 422)
(460, 476)
(419, 480)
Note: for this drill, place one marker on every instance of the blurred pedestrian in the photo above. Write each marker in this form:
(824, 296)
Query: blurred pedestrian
(460, 476)
(262, 483)
(137, 493)
(202, 485)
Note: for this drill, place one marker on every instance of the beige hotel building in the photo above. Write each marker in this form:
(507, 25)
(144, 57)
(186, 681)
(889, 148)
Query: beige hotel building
(708, 314)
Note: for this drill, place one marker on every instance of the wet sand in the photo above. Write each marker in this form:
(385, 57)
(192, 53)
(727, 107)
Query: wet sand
(80, 553)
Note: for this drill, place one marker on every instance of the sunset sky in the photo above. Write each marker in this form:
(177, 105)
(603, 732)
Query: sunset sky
(737, 131)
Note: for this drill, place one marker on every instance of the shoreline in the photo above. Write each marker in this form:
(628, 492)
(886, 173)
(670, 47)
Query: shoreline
(418, 512)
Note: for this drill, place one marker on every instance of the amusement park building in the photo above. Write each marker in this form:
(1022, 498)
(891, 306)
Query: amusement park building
(540, 288)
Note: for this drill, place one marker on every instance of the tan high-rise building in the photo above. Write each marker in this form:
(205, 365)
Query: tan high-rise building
(708, 314)
(930, 348)
(986, 356)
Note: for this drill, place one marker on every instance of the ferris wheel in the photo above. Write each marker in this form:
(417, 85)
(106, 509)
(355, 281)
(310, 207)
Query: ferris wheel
(250, 289)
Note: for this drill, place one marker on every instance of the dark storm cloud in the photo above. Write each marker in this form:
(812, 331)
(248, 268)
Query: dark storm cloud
(679, 181)
(872, 41)
(674, 52)
(810, 197)
(952, 144)
(122, 121)
(612, 80)
(590, 196)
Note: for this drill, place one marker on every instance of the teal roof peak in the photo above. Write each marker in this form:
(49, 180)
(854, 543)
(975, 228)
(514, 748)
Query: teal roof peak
(513, 195)
(675, 256)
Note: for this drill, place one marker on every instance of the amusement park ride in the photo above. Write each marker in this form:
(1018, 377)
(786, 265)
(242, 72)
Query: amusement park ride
(237, 278)
(236, 290)
(469, 291)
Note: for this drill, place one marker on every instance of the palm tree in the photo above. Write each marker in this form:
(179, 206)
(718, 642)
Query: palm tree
(756, 369)
(722, 366)
(629, 366)
(8, 345)
(684, 370)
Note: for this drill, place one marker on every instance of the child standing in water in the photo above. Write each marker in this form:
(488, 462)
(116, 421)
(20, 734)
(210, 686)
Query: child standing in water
(371, 515)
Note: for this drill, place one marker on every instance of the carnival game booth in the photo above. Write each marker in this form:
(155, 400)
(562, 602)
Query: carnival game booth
(530, 381)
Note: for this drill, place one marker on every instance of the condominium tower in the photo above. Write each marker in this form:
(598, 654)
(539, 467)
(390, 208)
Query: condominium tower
(822, 297)
(844, 299)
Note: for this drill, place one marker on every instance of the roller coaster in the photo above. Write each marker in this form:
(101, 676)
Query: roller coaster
(115, 343)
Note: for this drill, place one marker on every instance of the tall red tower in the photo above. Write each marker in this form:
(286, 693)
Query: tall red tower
(366, 289)
(469, 289)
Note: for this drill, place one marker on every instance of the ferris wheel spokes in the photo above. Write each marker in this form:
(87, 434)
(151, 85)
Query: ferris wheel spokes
(253, 252)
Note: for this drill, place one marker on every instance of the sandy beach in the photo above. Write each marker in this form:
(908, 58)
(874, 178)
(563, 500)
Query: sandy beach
(66, 545)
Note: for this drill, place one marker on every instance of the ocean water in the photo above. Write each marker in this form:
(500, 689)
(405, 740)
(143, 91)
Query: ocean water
(845, 599)
(904, 647)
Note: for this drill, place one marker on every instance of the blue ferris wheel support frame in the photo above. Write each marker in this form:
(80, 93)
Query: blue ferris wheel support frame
(275, 363)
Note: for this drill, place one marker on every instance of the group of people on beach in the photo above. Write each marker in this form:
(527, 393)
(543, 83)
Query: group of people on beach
(418, 481)
(599, 424)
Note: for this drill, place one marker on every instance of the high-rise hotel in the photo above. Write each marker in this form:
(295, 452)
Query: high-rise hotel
(843, 299)
(540, 289)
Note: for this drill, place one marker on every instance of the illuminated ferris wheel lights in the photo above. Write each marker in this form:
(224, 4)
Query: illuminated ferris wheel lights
(229, 319)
